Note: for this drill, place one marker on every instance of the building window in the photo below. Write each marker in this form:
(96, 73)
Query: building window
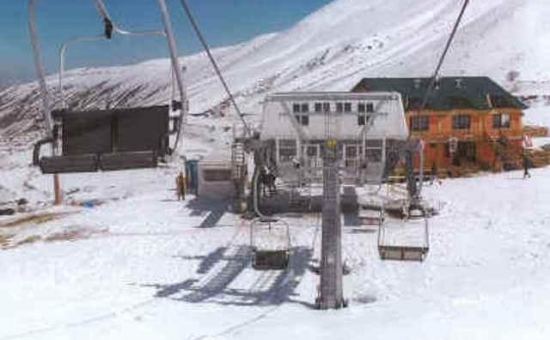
(361, 107)
(303, 119)
(461, 122)
(216, 175)
(287, 150)
(501, 121)
(339, 107)
(347, 107)
(301, 113)
(419, 123)
(318, 107)
(370, 107)
(361, 120)
(297, 108)
(326, 107)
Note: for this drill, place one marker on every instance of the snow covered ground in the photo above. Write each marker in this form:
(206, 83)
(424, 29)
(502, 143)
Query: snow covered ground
(133, 263)
(145, 266)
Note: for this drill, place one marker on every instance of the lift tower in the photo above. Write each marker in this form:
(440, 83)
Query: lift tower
(331, 287)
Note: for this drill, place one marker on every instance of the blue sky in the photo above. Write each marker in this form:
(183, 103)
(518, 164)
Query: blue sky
(223, 22)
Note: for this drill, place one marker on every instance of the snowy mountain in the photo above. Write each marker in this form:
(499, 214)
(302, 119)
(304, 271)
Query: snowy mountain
(122, 259)
(331, 49)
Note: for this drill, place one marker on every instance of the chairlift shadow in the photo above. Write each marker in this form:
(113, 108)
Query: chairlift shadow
(214, 209)
(270, 287)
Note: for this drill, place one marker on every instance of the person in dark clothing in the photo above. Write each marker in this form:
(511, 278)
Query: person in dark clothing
(526, 164)
(434, 174)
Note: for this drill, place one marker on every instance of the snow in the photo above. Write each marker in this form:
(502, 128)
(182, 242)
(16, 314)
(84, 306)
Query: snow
(538, 114)
(135, 263)
(152, 267)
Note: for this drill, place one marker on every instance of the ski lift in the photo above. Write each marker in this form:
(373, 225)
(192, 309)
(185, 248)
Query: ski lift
(371, 213)
(107, 139)
(407, 238)
(270, 242)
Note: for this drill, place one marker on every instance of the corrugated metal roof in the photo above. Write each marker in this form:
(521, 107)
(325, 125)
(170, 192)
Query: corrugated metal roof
(449, 92)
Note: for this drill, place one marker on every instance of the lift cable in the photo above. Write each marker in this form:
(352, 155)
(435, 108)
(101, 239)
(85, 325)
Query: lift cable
(443, 55)
(214, 64)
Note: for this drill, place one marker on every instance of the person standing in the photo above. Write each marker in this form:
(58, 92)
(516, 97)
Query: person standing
(180, 186)
(526, 164)
(434, 174)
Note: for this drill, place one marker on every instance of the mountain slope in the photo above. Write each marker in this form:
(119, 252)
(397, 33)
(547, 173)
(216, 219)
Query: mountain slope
(331, 49)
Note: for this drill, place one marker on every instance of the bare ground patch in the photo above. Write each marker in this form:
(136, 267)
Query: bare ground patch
(36, 218)
(69, 235)
(73, 235)
(5, 240)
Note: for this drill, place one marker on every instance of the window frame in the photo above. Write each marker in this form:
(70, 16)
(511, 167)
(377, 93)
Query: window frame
(362, 119)
(347, 107)
(419, 123)
(459, 119)
(497, 121)
(288, 149)
(370, 107)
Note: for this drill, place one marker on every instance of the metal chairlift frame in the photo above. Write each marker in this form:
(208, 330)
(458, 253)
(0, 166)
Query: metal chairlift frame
(403, 252)
(92, 162)
(406, 252)
(270, 259)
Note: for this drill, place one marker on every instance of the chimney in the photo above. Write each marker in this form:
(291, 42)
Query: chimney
(458, 83)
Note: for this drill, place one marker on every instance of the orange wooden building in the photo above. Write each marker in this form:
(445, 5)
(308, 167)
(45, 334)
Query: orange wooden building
(467, 121)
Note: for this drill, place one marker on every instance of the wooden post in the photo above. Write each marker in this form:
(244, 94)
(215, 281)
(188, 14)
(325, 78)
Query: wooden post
(58, 195)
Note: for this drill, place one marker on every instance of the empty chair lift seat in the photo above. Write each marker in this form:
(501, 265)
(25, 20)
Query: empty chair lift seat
(402, 253)
(71, 163)
(270, 242)
(108, 140)
(270, 259)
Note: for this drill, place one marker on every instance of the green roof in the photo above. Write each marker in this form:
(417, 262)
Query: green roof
(449, 93)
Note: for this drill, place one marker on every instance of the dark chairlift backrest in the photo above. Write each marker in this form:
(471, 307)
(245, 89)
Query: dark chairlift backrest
(115, 139)
(107, 139)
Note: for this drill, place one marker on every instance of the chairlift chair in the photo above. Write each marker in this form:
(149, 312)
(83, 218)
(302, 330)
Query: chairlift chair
(270, 257)
(107, 139)
(392, 242)
(371, 213)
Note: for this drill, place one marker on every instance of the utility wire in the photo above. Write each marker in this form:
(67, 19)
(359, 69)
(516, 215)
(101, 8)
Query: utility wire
(442, 58)
(214, 64)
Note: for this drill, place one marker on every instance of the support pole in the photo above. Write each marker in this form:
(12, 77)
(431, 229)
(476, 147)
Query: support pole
(46, 104)
(331, 288)
(175, 67)
(58, 194)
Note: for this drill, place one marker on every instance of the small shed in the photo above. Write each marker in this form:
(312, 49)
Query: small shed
(215, 177)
